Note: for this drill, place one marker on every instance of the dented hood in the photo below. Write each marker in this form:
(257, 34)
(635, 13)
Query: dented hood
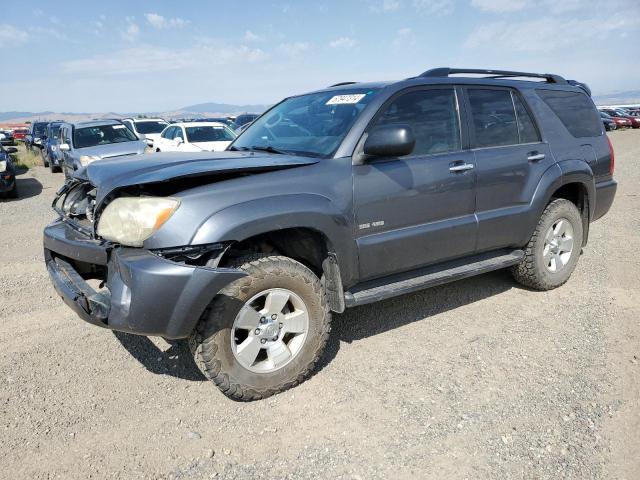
(111, 174)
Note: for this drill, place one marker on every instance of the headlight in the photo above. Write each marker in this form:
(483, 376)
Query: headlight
(3, 165)
(36, 140)
(53, 148)
(87, 159)
(131, 220)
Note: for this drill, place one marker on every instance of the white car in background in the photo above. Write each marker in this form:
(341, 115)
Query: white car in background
(147, 129)
(195, 137)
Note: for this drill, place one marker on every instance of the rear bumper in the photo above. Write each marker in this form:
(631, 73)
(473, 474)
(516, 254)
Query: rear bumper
(144, 294)
(605, 193)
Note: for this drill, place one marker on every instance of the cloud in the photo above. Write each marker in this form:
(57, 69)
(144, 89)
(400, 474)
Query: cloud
(385, 6)
(152, 59)
(547, 34)
(130, 34)
(501, 6)
(404, 37)
(249, 36)
(343, 42)
(434, 7)
(47, 32)
(160, 22)
(294, 50)
(10, 36)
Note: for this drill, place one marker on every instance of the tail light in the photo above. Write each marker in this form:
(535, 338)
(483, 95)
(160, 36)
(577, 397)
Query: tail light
(612, 162)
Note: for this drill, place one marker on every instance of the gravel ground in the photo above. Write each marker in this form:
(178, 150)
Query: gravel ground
(477, 379)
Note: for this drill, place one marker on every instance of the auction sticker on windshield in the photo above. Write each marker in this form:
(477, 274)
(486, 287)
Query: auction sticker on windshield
(345, 99)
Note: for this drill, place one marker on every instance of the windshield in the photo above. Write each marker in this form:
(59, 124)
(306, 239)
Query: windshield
(102, 135)
(313, 124)
(38, 128)
(150, 127)
(209, 134)
(53, 130)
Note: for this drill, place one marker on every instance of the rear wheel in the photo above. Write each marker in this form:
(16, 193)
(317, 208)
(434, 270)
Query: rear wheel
(265, 332)
(553, 251)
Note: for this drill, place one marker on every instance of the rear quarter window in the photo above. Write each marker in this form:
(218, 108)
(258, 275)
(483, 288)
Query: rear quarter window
(575, 110)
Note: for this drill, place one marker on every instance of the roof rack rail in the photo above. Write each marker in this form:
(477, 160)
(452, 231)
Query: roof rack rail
(341, 84)
(446, 71)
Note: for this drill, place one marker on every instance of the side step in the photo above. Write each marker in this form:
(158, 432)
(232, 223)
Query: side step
(395, 285)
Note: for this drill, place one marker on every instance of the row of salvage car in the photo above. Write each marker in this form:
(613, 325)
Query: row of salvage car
(67, 147)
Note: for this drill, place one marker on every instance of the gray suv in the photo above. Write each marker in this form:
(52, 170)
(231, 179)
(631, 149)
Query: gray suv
(85, 142)
(332, 199)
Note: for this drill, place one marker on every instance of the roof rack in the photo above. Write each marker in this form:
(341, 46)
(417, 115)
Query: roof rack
(341, 84)
(446, 71)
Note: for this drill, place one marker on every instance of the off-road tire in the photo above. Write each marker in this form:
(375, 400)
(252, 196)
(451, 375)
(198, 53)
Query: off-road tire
(211, 342)
(532, 271)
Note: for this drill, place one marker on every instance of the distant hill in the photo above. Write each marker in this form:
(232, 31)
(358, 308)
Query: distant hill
(223, 108)
(198, 110)
(12, 115)
(630, 96)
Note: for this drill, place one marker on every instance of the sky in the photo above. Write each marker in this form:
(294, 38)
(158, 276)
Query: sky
(146, 56)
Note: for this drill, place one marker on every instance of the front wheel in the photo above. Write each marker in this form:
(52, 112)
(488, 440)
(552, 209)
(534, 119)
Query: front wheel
(553, 251)
(263, 333)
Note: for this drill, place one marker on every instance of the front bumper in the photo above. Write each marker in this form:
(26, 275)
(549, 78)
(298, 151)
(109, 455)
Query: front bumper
(144, 293)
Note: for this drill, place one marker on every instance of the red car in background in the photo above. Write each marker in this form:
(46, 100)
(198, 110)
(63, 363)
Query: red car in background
(619, 116)
(20, 133)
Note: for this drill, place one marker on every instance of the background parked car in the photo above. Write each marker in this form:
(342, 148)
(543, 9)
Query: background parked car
(33, 138)
(195, 137)
(245, 118)
(85, 142)
(51, 154)
(20, 133)
(633, 122)
(8, 187)
(148, 129)
(608, 122)
(6, 138)
(227, 121)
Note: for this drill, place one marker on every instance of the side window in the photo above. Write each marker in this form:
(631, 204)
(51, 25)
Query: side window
(433, 116)
(178, 133)
(168, 133)
(494, 118)
(526, 128)
(129, 125)
(575, 110)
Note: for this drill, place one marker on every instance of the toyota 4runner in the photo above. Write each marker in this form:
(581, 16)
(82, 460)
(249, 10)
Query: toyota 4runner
(332, 199)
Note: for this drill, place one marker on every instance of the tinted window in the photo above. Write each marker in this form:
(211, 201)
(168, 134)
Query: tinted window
(102, 135)
(178, 133)
(494, 119)
(150, 126)
(209, 134)
(526, 128)
(168, 133)
(575, 110)
(432, 115)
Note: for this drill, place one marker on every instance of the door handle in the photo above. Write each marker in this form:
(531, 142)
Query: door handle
(535, 156)
(462, 167)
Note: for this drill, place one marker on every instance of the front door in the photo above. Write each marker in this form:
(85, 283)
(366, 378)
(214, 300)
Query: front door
(418, 209)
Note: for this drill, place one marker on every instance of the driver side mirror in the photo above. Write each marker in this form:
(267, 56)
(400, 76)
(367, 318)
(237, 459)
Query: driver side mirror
(179, 140)
(64, 147)
(390, 141)
(11, 150)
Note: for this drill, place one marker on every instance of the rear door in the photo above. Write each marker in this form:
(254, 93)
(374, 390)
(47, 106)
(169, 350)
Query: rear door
(418, 209)
(510, 159)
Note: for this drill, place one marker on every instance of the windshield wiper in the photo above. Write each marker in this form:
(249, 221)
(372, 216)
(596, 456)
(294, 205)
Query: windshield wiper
(268, 148)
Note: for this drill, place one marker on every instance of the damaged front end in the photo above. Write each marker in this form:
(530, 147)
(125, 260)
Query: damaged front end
(159, 292)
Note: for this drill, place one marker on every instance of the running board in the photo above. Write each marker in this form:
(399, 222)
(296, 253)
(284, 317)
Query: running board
(395, 285)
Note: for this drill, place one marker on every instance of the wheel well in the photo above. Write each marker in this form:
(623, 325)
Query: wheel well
(575, 193)
(578, 195)
(304, 245)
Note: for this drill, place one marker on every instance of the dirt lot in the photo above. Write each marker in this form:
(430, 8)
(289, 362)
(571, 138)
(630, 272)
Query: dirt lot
(477, 379)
